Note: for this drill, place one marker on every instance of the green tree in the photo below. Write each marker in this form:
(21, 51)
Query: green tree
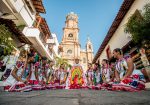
(6, 42)
(139, 26)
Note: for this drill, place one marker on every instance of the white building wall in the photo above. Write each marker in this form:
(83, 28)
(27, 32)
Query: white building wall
(22, 9)
(55, 48)
(120, 39)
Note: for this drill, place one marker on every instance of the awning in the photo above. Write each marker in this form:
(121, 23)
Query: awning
(39, 6)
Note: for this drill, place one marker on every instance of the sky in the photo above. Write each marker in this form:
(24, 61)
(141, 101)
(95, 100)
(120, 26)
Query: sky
(95, 18)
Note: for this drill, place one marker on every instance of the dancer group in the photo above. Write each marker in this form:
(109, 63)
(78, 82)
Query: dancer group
(31, 73)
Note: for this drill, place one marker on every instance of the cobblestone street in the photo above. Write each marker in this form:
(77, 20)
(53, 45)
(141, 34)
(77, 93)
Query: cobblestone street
(74, 52)
(75, 97)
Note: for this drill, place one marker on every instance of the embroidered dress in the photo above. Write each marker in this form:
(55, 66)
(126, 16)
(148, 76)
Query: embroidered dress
(10, 62)
(97, 80)
(135, 82)
(51, 79)
(90, 79)
(62, 77)
(50, 74)
(56, 79)
(105, 71)
(12, 85)
(36, 85)
(105, 74)
(26, 72)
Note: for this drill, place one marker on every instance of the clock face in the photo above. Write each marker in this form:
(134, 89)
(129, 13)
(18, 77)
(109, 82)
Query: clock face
(70, 35)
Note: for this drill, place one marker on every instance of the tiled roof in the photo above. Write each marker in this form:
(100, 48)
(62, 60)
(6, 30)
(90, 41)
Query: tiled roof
(122, 12)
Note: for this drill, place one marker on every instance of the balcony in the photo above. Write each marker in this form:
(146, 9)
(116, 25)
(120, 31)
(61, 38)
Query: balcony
(39, 35)
(34, 35)
(22, 12)
(18, 11)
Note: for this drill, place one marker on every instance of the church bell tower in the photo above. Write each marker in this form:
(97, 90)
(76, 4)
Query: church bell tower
(70, 40)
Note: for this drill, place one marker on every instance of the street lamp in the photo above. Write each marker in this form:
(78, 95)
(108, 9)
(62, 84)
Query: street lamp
(26, 47)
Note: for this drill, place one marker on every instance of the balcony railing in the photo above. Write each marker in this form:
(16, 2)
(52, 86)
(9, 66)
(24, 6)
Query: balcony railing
(41, 24)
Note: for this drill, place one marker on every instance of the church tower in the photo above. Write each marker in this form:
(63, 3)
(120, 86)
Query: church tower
(70, 40)
(71, 45)
(89, 51)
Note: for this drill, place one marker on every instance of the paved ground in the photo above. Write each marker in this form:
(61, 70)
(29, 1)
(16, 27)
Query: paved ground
(75, 97)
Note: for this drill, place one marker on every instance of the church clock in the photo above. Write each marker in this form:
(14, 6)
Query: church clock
(70, 35)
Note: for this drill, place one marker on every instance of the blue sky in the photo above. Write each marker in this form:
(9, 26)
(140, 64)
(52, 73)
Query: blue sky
(95, 17)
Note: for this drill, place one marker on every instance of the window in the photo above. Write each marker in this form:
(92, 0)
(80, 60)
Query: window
(90, 47)
(29, 6)
(69, 51)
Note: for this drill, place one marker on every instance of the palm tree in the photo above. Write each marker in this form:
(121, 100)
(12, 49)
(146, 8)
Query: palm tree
(60, 61)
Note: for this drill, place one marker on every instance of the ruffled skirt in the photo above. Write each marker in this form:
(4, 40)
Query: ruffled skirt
(18, 87)
(36, 85)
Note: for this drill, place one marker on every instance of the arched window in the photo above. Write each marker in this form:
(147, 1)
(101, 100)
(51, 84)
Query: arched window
(90, 47)
(69, 51)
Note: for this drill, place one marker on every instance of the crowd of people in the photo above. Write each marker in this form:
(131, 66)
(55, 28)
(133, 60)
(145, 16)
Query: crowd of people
(28, 72)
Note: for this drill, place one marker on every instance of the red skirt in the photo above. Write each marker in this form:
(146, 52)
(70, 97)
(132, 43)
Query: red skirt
(98, 87)
(51, 85)
(18, 87)
(129, 84)
(36, 85)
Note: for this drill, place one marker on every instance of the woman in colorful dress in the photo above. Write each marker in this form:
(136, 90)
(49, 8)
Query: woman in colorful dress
(97, 76)
(112, 64)
(56, 79)
(14, 82)
(62, 76)
(50, 76)
(90, 75)
(127, 77)
(105, 71)
(50, 72)
(37, 75)
(10, 62)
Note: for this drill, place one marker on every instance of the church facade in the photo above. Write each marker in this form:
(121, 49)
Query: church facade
(71, 45)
